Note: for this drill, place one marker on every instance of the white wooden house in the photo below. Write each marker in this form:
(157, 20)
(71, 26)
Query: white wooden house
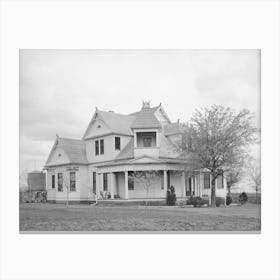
(115, 146)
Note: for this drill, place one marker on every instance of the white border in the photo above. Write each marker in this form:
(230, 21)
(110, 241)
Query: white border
(91, 25)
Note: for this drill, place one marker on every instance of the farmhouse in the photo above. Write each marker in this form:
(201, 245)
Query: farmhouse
(124, 157)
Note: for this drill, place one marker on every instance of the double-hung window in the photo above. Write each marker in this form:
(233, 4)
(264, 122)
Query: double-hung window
(72, 181)
(117, 143)
(206, 180)
(59, 182)
(102, 147)
(99, 147)
(96, 147)
(53, 181)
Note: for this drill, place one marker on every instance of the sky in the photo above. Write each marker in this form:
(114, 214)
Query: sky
(59, 89)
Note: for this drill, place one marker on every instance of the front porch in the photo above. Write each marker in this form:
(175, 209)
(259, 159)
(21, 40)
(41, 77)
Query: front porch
(127, 186)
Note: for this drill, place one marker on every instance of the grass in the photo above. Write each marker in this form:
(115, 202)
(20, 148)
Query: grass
(56, 217)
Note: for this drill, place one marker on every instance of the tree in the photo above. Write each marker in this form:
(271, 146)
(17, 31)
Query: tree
(66, 182)
(233, 176)
(254, 171)
(216, 138)
(147, 180)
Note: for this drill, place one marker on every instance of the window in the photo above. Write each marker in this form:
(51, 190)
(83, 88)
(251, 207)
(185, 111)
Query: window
(147, 141)
(117, 143)
(72, 181)
(59, 182)
(105, 181)
(206, 180)
(102, 147)
(220, 181)
(53, 181)
(94, 182)
(96, 147)
(130, 181)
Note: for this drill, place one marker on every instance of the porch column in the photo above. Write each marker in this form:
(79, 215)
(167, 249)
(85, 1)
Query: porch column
(183, 184)
(165, 181)
(98, 184)
(112, 184)
(126, 184)
(194, 184)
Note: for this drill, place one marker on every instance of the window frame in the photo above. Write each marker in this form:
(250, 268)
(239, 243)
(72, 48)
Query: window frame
(53, 181)
(60, 182)
(101, 145)
(117, 147)
(208, 179)
(72, 181)
(222, 178)
(96, 147)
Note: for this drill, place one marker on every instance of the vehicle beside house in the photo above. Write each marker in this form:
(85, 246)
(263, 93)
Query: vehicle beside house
(113, 149)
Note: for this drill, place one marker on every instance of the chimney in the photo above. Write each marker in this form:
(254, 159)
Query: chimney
(146, 104)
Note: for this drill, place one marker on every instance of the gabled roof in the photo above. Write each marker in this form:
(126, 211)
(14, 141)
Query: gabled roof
(117, 123)
(146, 119)
(172, 129)
(75, 150)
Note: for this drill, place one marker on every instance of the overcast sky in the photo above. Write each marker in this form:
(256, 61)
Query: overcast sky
(59, 90)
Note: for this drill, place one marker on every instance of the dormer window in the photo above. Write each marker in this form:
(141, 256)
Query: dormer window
(99, 126)
(146, 139)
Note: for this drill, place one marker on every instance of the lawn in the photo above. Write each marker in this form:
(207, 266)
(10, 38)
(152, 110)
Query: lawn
(56, 217)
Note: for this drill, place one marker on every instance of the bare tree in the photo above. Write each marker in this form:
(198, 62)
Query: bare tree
(216, 138)
(254, 171)
(66, 182)
(233, 176)
(147, 180)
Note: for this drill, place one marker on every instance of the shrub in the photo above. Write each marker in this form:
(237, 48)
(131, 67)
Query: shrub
(220, 201)
(171, 196)
(228, 200)
(243, 198)
(196, 201)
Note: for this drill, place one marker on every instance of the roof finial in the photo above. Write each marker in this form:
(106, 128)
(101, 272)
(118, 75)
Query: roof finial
(96, 109)
(57, 136)
(146, 104)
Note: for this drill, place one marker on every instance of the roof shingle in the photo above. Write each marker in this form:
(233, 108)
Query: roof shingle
(74, 148)
(146, 119)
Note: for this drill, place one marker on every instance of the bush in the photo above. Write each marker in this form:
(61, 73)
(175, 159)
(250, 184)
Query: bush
(228, 200)
(196, 201)
(220, 201)
(171, 196)
(243, 198)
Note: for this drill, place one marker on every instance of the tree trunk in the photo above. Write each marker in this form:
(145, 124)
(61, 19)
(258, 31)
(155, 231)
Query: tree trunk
(229, 187)
(213, 193)
(257, 201)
